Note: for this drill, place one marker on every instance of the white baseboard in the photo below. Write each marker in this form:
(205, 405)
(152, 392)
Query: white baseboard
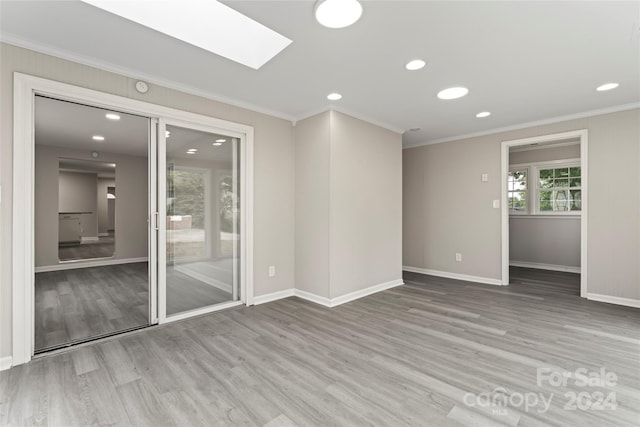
(327, 302)
(540, 266)
(71, 265)
(274, 296)
(312, 297)
(89, 239)
(614, 300)
(364, 292)
(448, 275)
(5, 363)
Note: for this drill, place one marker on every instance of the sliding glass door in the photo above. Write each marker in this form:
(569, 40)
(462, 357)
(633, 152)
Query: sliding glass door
(199, 221)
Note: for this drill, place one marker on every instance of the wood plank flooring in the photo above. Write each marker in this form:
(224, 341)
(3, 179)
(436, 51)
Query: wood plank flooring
(426, 353)
(77, 304)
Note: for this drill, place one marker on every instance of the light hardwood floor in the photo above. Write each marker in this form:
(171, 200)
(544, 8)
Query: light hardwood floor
(80, 304)
(419, 354)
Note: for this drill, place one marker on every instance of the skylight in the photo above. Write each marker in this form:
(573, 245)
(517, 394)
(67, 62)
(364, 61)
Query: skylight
(207, 24)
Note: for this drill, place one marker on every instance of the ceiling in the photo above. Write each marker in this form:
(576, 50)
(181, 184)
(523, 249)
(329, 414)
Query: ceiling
(522, 61)
(70, 125)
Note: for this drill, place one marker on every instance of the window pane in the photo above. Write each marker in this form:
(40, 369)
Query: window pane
(561, 200)
(561, 183)
(546, 173)
(576, 198)
(575, 182)
(561, 173)
(574, 172)
(546, 183)
(545, 205)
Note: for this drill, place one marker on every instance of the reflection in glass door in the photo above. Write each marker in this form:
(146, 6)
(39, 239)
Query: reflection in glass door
(202, 233)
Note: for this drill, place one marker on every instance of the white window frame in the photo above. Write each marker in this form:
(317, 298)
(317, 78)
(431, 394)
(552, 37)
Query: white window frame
(533, 187)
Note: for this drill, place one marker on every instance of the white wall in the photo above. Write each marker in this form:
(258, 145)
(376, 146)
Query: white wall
(131, 209)
(77, 193)
(548, 240)
(348, 205)
(366, 205)
(313, 169)
(273, 169)
(457, 214)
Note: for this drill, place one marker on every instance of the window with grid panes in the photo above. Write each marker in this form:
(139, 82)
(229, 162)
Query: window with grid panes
(559, 189)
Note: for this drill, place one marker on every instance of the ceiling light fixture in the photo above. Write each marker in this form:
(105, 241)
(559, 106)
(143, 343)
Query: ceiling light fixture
(112, 116)
(207, 24)
(221, 140)
(334, 96)
(338, 13)
(193, 149)
(97, 138)
(217, 144)
(607, 86)
(453, 93)
(414, 65)
(191, 152)
(483, 114)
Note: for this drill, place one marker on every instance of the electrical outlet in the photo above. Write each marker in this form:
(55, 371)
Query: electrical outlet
(458, 257)
(496, 204)
(272, 271)
(484, 177)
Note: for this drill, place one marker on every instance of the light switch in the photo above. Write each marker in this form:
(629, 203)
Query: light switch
(485, 177)
(496, 204)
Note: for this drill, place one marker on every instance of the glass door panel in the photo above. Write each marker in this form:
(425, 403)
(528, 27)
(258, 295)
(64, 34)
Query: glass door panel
(202, 219)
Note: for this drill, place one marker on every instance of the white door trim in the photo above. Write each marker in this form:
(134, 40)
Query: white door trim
(25, 88)
(504, 158)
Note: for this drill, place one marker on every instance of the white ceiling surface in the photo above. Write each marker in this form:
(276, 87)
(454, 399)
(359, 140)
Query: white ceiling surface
(69, 125)
(522, 61)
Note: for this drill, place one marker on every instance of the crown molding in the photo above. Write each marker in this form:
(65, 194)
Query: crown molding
(550, 120)
(346, 111)
(133, 74)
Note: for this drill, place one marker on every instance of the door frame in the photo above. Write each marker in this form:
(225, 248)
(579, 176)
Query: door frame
(24, 91)
(583, 136)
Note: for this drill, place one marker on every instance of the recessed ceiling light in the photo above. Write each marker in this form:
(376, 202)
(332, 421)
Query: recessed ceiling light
(338, 13)
(193, 149)
(453, 93)
(112, 116)
(607, 86)
(207, 24)
(414, 65)
(334, 96)
(191, 152)
(97, 138)
(483, 114)
(217, 144)
(221, 140)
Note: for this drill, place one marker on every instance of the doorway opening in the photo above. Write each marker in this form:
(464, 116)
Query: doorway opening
(544, 211)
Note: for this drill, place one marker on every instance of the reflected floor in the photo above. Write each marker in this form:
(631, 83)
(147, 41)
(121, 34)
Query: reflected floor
(105, 247)
(83, 303)
(198, 284)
